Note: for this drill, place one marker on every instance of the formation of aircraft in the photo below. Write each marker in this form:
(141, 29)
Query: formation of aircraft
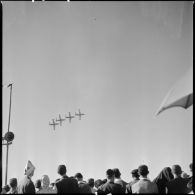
(70, 117)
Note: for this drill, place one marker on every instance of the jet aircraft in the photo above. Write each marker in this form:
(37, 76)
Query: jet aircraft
(54, 124)
(70, 117)
(60, 120)
(79, 114)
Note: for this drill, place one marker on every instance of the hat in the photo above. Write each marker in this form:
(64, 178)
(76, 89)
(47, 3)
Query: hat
(61, 169)
(13, 182)
(29, 169)
(143, 170)
(176, 169)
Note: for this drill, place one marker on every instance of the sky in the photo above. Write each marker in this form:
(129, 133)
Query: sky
(115, 61)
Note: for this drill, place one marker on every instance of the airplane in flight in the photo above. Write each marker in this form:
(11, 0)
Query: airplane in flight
(54, 124)
(79, 114)
(70, 117)
(60, 119)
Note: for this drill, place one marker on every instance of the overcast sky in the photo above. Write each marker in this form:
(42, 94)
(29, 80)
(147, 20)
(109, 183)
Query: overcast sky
(115, 61)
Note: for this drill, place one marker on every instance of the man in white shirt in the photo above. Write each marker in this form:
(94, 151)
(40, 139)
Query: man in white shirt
(144, 185)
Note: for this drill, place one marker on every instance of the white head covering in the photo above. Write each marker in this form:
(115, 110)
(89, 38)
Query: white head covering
(29, 169)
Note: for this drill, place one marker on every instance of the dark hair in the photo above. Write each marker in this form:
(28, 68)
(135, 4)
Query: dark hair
(98, 183)
(38, 183)
(6, 188)
(78, 175)
(176, 169)
(61, 169)
(13, 182)
(117, 173)
(110, 173)
(191, 166)
(143, 170)
(135, 173)
(104, 181)
(91, 182)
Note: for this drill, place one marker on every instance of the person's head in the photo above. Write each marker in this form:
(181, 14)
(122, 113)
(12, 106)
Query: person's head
(135, 174)
(62, 170)
(45, 181)
(13, 183)
(78, 176)
(98, 183)
(104, 181)
(110, 174)
(167, 174)
(38, 184)
(191, 167)
(176, 170)
(143, 170)
(5, 189)
(184, 175)
(91, 182)
(117, 173)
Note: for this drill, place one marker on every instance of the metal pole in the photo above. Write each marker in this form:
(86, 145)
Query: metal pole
(10, 85)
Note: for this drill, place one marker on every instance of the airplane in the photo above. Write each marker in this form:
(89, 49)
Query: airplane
(70, 117)
(60, 119)
(54, 124)
(79, 114)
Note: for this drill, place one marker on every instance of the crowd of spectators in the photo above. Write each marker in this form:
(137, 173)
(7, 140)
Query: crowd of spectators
(169, 181)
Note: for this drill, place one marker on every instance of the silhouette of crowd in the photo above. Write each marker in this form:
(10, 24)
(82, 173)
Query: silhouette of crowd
(169, 181)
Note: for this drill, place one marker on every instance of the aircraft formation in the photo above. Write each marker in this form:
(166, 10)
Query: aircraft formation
(59, 120)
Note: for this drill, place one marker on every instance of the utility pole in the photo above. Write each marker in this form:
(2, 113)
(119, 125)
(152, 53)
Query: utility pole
(7, 144)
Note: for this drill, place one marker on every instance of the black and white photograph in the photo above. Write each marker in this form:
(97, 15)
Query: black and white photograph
(97, 97)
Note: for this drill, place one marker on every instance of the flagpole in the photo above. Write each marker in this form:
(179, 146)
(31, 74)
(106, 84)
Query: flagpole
(10, 85)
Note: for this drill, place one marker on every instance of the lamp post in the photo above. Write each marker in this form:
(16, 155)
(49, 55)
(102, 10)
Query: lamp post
(9, 136)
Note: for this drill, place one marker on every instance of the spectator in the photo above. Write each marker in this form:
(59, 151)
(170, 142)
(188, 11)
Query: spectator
(13, 186)
(135, 177)
(118, 179)
(144, 185)
(98, 183)
(162, 179)
(38, 185)
(83, 186)
(190, 183)
(178, 185)
(26, 186)
(5, 189)
(110, 186)
(91, 185)
(65, 184)
(45, 186)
